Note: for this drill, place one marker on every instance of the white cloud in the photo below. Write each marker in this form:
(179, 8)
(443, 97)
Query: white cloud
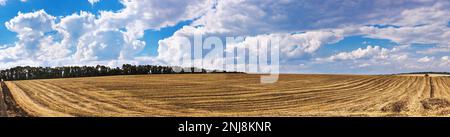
(445, 61)
(2, 2)
(425, 59)
(31, 23)
(267, 16)
(303, 27)
(171, 50)
(84, 37)
(117, 35)
(369, 52)
(292, 46)
(364, 65)
(296, 45)
(32, 41)
(139, 15)
(93, 1)
(435, 50)
(74, 26)
(101, 45)
(400, 57)
(320, 27)
(371, 58)
(107, 45)
(425, 25)
(273, 19)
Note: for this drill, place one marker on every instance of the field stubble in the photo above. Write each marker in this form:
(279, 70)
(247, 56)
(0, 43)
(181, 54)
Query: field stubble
(235, 95)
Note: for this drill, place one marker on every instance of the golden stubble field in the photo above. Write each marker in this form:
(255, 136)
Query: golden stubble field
(235, 95)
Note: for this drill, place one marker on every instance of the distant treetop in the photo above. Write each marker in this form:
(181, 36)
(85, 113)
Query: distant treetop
(27, 72)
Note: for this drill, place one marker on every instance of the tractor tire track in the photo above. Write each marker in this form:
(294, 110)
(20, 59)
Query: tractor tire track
(431, 87)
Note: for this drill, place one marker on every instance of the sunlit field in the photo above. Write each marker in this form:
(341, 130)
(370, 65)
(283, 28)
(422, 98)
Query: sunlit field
(234, 95)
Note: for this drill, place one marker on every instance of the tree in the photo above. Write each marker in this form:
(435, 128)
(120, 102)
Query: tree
(27, 72)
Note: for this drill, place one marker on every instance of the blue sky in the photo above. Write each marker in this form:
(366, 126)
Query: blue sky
(56, 8)
(353, 42)
(152, 36)
(336, 36)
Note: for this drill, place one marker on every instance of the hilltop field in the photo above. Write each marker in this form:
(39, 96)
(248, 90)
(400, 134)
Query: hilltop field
(235, 95)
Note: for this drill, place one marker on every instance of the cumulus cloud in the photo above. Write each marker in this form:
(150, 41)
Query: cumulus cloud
(371, 58)
(296, 45)
(100, 45)
(445, 61)
(424, 25)
(31, 29)
(173, 49)
(267, 16)
(2, 2)
(93, 1)
(369, 52)
(303, 27)
(85, 37)
(74, 26)
(425, 59)
(37, 23)
(136, 16)
(317, 26)
(292, 46)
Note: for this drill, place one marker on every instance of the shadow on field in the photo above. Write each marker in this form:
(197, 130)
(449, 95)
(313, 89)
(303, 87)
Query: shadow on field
(435, 103)
(11, 108)
(398, 106)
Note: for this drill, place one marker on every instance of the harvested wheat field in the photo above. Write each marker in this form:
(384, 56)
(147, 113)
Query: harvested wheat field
(235, 95)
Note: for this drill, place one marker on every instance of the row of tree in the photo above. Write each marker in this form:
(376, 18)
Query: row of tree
(26, 73)
(446, 73)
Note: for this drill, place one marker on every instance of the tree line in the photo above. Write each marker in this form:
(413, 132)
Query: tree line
(27, 72)
(446, 73)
